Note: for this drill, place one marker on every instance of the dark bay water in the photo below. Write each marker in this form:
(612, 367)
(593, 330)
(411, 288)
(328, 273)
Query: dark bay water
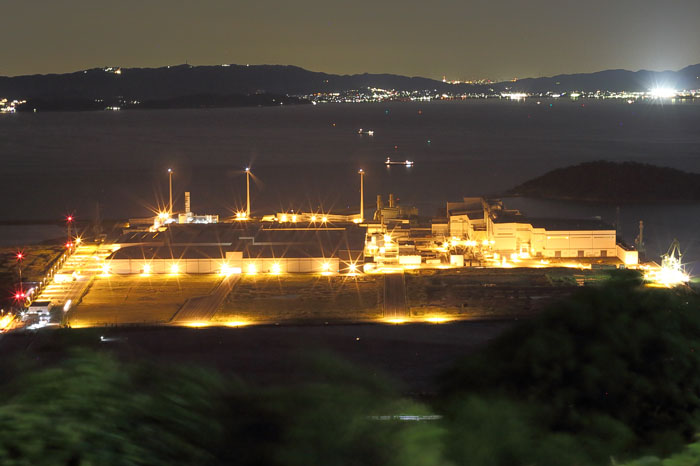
(308, 156)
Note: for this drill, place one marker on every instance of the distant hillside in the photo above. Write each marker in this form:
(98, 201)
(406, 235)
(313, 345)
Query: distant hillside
(184, 80)
(226, 80)
(613, 182)
(613, 80)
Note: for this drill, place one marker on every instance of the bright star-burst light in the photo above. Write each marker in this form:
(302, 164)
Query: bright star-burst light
(663, 92)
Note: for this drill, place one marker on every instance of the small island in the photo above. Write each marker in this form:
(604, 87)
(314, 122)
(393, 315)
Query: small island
(602, 181)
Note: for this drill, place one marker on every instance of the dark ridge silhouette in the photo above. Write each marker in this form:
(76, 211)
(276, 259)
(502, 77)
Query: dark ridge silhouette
(613, 80)
(186, 80)
(613, 182)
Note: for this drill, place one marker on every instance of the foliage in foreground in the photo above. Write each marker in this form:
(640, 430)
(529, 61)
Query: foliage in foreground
(614, 371)
(93, 410)
(610, 373)
(690, 456)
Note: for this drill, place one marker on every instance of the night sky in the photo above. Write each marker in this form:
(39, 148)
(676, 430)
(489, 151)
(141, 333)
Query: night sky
(496, 39)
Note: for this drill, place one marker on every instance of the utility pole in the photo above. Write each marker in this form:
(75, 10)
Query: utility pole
(362, 194)
(170, 176)
(69, 224)
(639, 240)
(247, 190)
(20, 256)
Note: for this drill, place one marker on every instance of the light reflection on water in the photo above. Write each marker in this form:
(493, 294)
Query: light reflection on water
(54, 163)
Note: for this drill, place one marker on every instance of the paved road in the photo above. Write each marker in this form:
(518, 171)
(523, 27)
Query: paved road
(203, 308)
(71, 280)
(395, 296)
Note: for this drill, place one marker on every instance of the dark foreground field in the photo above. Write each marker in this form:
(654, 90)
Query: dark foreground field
(412, 354)
(603, 376)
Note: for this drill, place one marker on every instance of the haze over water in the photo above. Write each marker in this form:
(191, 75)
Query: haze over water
(308, 156)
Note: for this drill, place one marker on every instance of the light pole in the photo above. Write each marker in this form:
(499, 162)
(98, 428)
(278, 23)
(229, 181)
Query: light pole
(20, 256)
(362, 194)
(247, 190)
(69, 224)
(170, 177)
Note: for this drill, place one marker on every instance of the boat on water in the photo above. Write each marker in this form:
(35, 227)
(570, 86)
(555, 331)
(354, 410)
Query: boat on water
(388, 161)
(368, 132)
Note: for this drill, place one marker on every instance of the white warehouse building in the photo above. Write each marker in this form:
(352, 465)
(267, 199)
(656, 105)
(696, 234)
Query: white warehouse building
(510, 232)
(552, 237)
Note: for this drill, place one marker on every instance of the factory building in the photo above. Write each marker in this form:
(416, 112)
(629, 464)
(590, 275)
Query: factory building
(189, 217)
(248, 247)
(468, 219)
(508, 232)
(542, 237)
(212, 259)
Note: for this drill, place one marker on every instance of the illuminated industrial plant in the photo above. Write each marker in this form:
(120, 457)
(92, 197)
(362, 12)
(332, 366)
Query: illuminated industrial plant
(671, 272)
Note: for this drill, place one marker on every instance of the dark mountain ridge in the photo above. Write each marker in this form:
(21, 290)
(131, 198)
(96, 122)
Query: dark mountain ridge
(614, 80)
(186, 80)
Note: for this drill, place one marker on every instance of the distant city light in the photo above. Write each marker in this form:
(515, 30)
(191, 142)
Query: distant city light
(515, 96)
(275, 269)
(663, 92)
(174, 269)
(252, 269)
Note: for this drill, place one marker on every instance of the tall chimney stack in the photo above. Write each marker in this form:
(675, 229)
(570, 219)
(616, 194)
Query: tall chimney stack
(391, 200)
(188, 205)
